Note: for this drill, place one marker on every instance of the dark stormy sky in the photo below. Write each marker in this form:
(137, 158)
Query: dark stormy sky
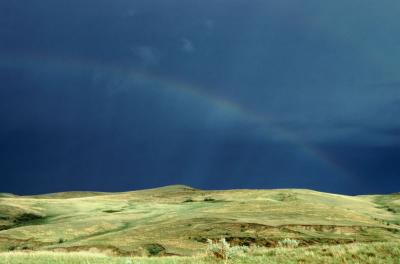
(128, 94)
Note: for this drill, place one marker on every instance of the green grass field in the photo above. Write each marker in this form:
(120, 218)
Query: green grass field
(173, 224)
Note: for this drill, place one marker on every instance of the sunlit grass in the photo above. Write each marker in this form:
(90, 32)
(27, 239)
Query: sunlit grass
(371, 253)
(132, 223)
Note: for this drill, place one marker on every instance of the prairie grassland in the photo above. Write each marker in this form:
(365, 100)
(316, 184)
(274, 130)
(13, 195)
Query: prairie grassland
(178, 220)
(373, 253)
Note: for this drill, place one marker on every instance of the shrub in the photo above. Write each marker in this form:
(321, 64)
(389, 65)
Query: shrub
(12, 248)
(155, 249)
(392, 210)
(189, 200)
(209, 199)
(111, 211)
(223, 250)
(27, 218)
(61, 240)
(289, 243)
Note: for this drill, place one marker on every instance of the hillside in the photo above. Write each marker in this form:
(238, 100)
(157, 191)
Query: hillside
(177, 220)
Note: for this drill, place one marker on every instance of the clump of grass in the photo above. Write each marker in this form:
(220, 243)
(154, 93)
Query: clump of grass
(223, 250)
(209, 199)
(189, 200)
(285, 197)
(61, 240)
(289, 243)
(200, 239)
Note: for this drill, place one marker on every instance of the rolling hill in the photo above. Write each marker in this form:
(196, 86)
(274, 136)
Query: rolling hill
(178, 220)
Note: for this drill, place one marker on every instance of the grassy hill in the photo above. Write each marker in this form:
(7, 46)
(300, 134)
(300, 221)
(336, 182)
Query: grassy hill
(178, 220)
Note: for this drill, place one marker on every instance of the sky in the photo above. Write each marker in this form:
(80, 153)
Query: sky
(130, 94)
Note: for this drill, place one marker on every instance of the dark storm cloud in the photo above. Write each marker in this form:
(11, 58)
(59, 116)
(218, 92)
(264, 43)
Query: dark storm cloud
(148, 55)
(375, 168)
(187, 45)
(238, 94)
(388, 84)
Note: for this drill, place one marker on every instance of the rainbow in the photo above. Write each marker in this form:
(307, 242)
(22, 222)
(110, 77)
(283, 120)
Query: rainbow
(177, 88)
